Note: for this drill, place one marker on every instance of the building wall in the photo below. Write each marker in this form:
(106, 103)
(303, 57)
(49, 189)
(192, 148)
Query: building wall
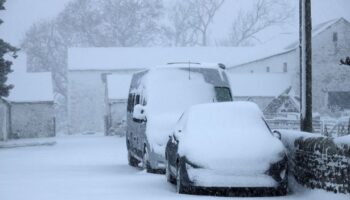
(31, 120)
(274, 63)
(117, 116)
(88, 105)
(262, 102)
(328, 75)
(86, 102)
(4, 120)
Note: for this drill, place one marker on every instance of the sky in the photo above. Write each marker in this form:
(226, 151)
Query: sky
(21, 14)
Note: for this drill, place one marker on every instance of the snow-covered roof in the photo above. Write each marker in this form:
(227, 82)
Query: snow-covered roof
(259, 85)
(29, 87)
(316, 30)
(118, 86)
(291, 47)
(144, 57)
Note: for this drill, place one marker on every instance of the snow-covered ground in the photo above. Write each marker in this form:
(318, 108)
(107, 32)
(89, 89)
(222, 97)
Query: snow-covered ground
(93, 167)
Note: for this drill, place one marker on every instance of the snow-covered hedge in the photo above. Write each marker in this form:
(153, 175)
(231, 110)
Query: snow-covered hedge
(317, 161)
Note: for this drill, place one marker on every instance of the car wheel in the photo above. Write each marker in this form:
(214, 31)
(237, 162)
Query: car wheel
(169, 177)
(145, 161)
(180, 188)
(132, 161)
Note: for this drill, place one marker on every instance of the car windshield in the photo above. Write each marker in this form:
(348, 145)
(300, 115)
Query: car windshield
(223, 94)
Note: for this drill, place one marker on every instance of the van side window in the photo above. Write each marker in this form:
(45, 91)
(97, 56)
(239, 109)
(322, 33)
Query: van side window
(130, 100)
(223, 94)
(137, 99)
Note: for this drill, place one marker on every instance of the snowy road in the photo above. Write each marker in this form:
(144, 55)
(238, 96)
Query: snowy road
(92, 167)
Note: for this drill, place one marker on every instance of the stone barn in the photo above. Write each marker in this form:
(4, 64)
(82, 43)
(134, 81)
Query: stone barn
(331, 81)
(89, 68)
(31, 106)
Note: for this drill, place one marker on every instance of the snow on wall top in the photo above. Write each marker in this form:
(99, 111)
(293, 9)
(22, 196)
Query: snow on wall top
(29, 87)
(143, 57)
(118, 86)
(259, 85)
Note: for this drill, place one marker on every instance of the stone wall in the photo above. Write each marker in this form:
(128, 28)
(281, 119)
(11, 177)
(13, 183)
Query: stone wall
(317, 162)
(31, 120)
(4, 120)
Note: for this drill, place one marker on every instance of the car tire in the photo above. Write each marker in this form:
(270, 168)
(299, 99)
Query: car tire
(180, 188)
(145, 161)
(132, 161)
(168, 175)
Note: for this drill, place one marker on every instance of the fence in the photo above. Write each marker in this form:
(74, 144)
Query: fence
(291, 124)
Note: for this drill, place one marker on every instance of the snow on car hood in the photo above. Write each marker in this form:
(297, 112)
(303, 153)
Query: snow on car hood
(231, 137)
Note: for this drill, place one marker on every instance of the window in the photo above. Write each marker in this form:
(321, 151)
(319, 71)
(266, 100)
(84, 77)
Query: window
(285, 67)
(335, 37)
(223, 94)
(267, 69)
(339, 100)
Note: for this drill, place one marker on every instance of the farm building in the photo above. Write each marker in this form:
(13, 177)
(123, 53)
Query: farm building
(331, 81)
(30, 103)
(258, 88)
(89, 68)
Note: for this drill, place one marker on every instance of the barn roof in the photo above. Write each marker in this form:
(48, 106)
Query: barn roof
(145, 57)
(259, 85)
(29, 87)
(294, 45)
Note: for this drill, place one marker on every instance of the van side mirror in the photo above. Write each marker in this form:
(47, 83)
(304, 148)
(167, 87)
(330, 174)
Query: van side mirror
(176, 134)
(139, 114)
(277, 134)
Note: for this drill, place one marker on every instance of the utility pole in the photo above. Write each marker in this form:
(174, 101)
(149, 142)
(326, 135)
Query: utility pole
(305, 45)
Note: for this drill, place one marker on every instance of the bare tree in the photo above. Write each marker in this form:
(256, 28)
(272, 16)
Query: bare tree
(264, 14)
(182, 32)
(205, 11)
(191, 19)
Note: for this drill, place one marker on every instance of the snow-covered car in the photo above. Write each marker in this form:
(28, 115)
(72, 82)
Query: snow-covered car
(158, 97)
(226, 148)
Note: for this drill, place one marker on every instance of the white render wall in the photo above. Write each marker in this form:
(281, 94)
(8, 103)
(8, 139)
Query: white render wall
(86, 102)
(328, 75)
(275, 63)
(88, 108)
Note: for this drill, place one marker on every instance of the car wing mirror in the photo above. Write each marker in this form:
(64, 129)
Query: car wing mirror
(277, 134)
(139, 113)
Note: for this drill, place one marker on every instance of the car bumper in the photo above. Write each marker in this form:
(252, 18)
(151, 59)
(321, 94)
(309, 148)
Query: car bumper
(237, 191)
(207, 182)
(210, 178)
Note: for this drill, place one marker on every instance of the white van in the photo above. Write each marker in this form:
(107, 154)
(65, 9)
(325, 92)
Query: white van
(158, 97)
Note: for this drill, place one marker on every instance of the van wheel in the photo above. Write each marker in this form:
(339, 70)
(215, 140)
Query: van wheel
(132, 161)
(145, 161)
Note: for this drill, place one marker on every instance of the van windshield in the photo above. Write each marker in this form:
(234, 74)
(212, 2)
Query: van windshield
(174, 90)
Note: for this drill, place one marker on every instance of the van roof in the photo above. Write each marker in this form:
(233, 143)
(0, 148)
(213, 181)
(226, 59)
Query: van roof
(191, 65)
